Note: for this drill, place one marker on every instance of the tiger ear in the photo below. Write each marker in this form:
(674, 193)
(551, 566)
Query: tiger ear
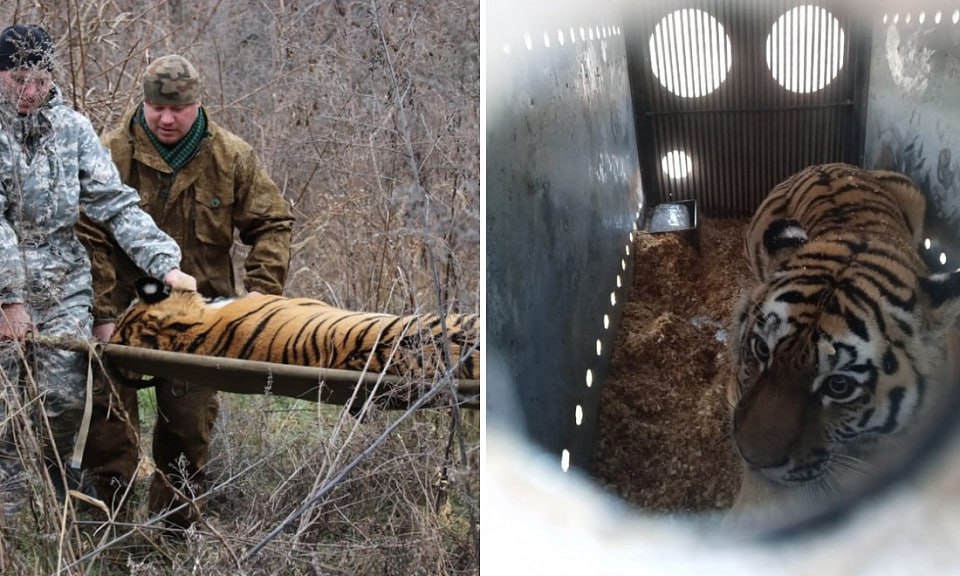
(784, 234)
(151, 290)
(941, 295)
(781, 239)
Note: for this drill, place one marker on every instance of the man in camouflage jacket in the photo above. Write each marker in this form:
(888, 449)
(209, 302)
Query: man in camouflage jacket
(200, 182)
(51, 166)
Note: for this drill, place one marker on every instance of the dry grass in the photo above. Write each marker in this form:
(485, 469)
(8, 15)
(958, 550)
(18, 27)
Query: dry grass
(407, 508)
(366, 113)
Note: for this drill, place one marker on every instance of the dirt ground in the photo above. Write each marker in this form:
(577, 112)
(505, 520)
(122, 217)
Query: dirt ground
(662, 441)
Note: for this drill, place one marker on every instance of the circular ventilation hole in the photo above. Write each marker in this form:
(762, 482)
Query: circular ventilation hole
(690, 53)
(676, 164)
(805, 49)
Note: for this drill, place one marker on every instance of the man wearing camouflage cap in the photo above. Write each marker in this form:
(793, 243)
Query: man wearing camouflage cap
(52, 166)
(201, 183)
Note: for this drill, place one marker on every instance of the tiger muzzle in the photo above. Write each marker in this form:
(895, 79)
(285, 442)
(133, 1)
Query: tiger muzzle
(768, 423)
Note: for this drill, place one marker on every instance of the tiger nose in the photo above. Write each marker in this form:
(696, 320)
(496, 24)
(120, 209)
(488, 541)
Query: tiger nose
(759, 448)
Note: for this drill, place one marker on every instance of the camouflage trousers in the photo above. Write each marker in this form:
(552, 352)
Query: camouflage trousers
(42, 393)
(186, 414)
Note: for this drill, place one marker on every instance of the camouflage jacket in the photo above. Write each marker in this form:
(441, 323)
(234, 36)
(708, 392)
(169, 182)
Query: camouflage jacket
(223, 189)
(52, 166)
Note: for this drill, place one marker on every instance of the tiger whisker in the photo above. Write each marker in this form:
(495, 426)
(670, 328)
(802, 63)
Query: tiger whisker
(847, 463)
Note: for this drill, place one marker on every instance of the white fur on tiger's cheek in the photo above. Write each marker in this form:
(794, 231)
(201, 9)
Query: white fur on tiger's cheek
(887, 411)
(150, 289)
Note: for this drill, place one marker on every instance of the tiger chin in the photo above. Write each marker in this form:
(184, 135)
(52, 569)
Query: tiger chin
(843, 348)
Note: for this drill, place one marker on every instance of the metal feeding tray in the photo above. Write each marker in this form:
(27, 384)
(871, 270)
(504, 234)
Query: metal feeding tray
(678, 217)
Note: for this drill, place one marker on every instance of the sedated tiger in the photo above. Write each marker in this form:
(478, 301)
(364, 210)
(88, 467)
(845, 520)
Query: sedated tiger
(299, 331)
(843, 345)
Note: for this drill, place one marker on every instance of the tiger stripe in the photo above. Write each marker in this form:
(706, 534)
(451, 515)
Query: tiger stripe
(304, 332)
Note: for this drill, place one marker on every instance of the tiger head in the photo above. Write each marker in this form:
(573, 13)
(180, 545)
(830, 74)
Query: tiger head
(836, 350)
(146, 325)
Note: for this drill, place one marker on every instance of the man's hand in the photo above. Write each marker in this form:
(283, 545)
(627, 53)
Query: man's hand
(103, 332)
(253, 293)
(178, 279)
(15, 322)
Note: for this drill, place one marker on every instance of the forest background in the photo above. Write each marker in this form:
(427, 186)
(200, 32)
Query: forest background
(367, 115)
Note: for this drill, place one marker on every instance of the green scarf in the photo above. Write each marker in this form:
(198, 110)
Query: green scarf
(181, 152)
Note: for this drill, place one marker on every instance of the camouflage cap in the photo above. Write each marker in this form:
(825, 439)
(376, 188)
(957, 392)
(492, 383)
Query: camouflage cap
(171, 81)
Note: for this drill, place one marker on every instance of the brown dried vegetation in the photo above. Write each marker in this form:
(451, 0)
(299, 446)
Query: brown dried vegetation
(366, 113)
(662, 439)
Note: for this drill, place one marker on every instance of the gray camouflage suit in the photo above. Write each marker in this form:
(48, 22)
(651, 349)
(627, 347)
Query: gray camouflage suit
(52, 165)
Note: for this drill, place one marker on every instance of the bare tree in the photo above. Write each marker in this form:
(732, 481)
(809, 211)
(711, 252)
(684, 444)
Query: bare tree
(366, 113)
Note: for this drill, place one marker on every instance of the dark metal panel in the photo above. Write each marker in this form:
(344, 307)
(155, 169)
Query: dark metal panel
(562, 196)
(750, 132)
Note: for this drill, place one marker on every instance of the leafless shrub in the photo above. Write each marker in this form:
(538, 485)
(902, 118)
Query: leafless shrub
(366, 113)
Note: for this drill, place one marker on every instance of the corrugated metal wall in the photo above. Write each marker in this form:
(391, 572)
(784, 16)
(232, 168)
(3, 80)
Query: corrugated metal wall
(714, 122)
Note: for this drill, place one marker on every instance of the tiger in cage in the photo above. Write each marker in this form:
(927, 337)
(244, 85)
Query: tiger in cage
(843, 347)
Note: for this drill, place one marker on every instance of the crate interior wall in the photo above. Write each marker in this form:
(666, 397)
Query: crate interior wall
(576, 117)
(562, 197)
(913, 113)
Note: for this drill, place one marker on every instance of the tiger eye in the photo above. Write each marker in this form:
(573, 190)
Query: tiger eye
(759, 348)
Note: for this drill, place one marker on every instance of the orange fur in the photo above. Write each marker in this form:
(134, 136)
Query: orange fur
(305, 332)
